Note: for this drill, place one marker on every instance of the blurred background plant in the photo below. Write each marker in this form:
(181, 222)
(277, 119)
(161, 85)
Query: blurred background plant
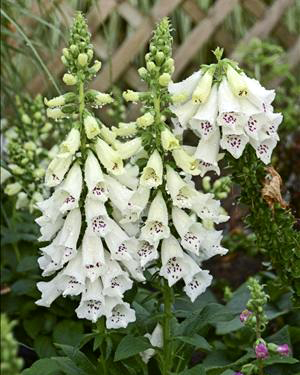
(264, 37)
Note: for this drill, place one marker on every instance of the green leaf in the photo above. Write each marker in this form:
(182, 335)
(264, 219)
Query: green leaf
(44, 347)
(45, 366)
(78, 358)
(68, 332)
(23, 287)
(69, 367)
(130, 346)
(279, 359)
(196, 370)
(196, 340)
(28, 263)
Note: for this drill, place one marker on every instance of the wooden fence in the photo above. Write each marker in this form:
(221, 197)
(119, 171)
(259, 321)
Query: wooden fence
(207, 26)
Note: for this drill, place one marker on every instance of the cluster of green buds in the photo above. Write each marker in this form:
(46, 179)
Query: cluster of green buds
(25, 152)
(78, 59)
(10, 363)
(220, 187)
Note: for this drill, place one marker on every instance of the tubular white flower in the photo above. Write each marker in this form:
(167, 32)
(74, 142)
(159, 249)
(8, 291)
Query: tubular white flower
(94, 178)
(172, 257)
(118, 193)
(208, 208)
(152, 172)
(234, 143)
(144, 121)
(108, 135)
(120, 315)
(96, 217)
(264, 148)
(182, 93)
(237, 82)
(168, 140)
(147, 252)
(48, 228)
(91, 127)
(110, 158)
(50, 290)
(57, 169)
(203, 88)
(74, 275)
(135, 270)
(125, 129)
(208, 150)
(136, 205)
(199, 283)
(203, 123)
(130, 176)
(181, 192)
(119, 243)
(258, 95)
(210, 246)
(186, 162)
(115, 280)
(92, 255)
(72, 142)
(156, 226)
(129, 148)
(92, 303)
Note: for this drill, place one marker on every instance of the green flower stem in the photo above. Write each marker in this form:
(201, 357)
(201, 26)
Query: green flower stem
(167, 348)
(101, 359)
(81, 111)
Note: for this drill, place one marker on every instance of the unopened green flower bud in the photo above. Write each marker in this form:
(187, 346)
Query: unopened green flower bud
(108, 135)
(61, 100)
(55, 113)
(221, 195)
(206, 183)
(74, 49)
(82, 59)
(37, 116)
(30, 146)
(168, 140)
(47, 127)
(96, 67)
(202, 91)
(236, 82)
(22, 200)
(272, 347)
(16, 169)
(131, 96)
(146, 120)
(69, 79)
(148, 56)
(99, 98)
(125, 129)
(150, 66)
(26, 119)
(142, 72)
(64, 60)
(90, 54)
(24, 161)
(164, 79)
(39, 173)
(12, 189)
(91, 127)
(159, 57)
(66, 53)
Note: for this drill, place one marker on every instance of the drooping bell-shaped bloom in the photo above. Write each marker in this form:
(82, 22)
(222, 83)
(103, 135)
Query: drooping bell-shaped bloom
(152, 173)
(57, 169)
(208, 208)
(96, 217)
(92, 303)
(156, 226)
(129, 148)
(72, 142)
(283, 350)
(147, 252)
(197, 284)
(136, 205)
(129, 177)
(237, 82)
(92, 255)
(182, 193)
(186, 162)
(50, 290)
(118, 193)
(168, 140)
(94, 178)
(48, 228)
(70, 231)
(119, 315)
(115, 280)
(173, 263)
(74, 274)
(110, 158)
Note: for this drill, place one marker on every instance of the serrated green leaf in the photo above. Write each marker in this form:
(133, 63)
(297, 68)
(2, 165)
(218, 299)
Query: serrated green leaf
(130, 346)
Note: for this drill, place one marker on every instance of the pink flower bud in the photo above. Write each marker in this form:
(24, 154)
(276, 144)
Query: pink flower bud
(261, 351)
(245, 315)
(283, 349)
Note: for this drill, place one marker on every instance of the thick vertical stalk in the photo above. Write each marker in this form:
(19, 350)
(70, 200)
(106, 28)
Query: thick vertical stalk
(81, 113)
(258, 336)
(167, 348)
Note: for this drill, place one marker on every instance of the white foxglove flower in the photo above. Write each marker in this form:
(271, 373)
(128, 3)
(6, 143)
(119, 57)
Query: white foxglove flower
(208, 152)
(147, 252)
(130, 176)
(264, 148)
(50, 290)
(234, 143)
(173, 263)
(74, 275)
(92, 255)
(57, 169)
(72, 143)
(152, 173)
(120, 315)
(129, 148)
(168, 141)
(108, 135)
(258, 95)
(203, 88)
(70, 232)
(132, 229)
(65, 197)
(92, 303)
(186, 162)
(210, 245)
(181, 192)
(118, 193)
(94, 178)
(96, 217)
(48, 228)
(198, 284)
(203, 123)
(135, 270)
(237, 82)
(208, 208)
(91, 127)
(156, 340)
(184, 108)
(136, 205)
(115, 280)
(119, 243)
(156, 226)
(110, 158)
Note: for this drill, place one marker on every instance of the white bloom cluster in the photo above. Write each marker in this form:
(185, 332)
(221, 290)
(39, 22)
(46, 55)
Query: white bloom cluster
(93, 255)
(229, 114)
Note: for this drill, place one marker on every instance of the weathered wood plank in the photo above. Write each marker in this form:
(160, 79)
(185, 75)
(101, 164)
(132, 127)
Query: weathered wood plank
(201, 33)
